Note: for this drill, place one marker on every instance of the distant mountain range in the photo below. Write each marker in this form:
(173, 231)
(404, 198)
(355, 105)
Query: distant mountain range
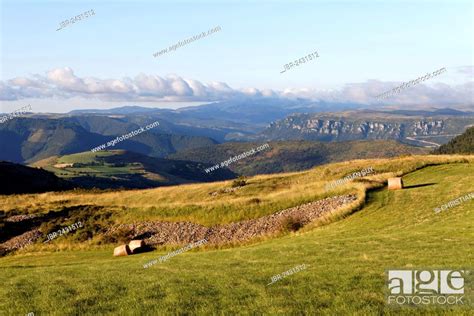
(431, 129)
(244, 111)
(32, 139)
(228, 119)
(38, 136)
(445, 111)
(190, 140)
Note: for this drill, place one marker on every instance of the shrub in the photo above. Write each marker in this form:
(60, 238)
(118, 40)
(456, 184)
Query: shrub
(255, 201)
(120, 235)
(239, 182)
(94, 222)
(291, 223)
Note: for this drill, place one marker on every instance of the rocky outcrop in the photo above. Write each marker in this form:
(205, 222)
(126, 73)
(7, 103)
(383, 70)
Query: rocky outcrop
(427, 128)
(327, 128)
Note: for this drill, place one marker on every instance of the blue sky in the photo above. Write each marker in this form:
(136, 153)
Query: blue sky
(357, 41)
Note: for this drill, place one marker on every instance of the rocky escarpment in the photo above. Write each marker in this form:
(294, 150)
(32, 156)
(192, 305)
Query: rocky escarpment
(327, 128)
(178, 233)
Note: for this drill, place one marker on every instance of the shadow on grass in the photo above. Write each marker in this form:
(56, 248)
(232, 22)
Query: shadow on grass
(146, 248)
(11, 229)
(418, 185)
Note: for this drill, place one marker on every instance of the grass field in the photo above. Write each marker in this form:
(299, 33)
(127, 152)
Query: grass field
(346, 259)
(102, 169)
(262, 195)
(121, 169)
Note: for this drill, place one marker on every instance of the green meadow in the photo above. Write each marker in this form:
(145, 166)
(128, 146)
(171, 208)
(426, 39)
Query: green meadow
(346, 257)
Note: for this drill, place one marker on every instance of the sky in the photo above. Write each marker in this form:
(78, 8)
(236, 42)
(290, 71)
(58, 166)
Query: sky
(365, 48)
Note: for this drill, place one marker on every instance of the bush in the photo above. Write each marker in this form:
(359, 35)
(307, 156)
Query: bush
(120, 235)
(94, 222)
(291, 223)
(239, 182)
(255, 201)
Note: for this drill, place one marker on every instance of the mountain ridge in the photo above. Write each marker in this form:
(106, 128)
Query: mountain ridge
(366, 125)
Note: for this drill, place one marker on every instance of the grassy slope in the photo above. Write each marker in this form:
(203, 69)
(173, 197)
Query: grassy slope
(128, 169)
(463, 143)
(85, 157)
(347, 260)
(263, 195)
(290, 156)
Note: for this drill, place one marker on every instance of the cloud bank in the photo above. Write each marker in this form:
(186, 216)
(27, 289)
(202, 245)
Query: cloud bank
(63, 83)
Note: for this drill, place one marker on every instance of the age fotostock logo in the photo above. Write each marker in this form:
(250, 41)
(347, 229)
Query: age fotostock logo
(424, 287)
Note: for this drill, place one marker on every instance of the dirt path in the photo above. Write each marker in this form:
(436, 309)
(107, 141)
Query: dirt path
(423, 141)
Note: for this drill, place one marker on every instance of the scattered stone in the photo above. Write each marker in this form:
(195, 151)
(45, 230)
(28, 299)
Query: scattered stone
(19, 218)
(20, 241)
(178, 233)
(146, 234)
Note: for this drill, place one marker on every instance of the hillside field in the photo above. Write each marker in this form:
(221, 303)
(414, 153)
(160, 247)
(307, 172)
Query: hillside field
(120, 169)
(346, 256)
(291, 156)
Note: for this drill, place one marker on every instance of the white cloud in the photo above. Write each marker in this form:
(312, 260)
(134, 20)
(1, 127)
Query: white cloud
(468, 70)
(63, 83)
